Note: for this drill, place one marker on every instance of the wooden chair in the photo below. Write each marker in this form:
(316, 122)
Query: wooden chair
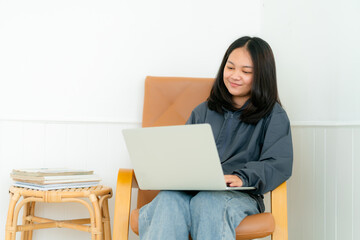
(169, 101)
(24, 198)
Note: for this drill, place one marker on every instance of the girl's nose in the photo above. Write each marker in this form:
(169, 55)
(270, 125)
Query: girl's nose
(236, 75)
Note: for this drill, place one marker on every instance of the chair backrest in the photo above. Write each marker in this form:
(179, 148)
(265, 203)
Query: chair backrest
(169, 101)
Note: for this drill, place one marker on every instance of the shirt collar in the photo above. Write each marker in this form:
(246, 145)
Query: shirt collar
(238, 110)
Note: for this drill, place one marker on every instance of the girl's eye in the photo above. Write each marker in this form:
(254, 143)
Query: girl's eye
(247, 72)
(228, 67)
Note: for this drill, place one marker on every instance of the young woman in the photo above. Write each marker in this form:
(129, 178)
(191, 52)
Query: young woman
(253, 138)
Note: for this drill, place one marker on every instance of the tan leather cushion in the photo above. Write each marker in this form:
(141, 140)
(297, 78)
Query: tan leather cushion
(170, 100)
(254, 226)
(145, 196)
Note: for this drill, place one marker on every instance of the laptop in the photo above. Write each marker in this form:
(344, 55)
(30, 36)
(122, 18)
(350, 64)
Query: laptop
(176, 158)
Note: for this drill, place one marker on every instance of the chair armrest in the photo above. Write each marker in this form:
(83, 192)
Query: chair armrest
(279, 212)
(125, 182)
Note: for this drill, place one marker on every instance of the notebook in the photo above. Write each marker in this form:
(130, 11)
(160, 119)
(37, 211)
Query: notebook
(176, 158)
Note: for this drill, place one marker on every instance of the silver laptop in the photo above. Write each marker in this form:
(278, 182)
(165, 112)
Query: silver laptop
(176, 158)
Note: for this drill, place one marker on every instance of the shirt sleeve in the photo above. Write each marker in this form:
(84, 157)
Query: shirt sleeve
(276, 158)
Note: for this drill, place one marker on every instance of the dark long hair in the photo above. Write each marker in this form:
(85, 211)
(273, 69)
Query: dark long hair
(264, 93)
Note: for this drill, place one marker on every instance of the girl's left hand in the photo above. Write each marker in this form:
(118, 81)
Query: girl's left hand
(233, 181)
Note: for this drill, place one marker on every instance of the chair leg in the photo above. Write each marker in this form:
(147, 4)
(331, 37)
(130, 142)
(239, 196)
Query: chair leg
(122, 204)
(279, 211)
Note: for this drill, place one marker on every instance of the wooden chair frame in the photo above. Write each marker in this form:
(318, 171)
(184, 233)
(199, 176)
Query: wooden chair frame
(126, 181)
(169, 101)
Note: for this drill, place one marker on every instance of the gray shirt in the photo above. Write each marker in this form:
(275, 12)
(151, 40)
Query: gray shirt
(261, 155)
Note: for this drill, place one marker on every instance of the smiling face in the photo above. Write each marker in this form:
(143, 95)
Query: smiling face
(238, 75)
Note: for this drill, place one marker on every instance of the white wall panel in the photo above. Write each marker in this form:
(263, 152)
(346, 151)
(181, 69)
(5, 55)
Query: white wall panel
(331, 185)
(55, 144)
(11, 152)
(356, 184)
(295, 190)
(307, 184)
(77, 145)
(344, 208)
(322, 192)
(34, 144)
(319, 183)
(12, 144)
(98, 151)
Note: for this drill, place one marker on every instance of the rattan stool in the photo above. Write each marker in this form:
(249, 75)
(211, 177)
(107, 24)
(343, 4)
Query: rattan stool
(99, 211)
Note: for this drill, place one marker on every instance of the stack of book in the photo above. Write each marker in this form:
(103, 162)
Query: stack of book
(53, 178)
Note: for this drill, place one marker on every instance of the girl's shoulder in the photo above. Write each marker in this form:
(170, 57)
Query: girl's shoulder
(202, 106)
(201, 109)
(278, 109)
(278, 114)
(202, 114)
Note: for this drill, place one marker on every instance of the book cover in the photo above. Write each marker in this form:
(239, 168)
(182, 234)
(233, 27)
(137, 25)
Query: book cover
(40, 172)
(55, 186)
(56, 179)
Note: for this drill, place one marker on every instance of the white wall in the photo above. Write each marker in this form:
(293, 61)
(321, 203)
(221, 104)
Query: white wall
(317, 53)
(87, 60)
(72, 75)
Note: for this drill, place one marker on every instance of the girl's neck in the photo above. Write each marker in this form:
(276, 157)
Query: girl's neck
(240, 101)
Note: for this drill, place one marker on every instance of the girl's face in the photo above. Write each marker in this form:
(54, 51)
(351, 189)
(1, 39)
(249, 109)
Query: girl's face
(238, 75)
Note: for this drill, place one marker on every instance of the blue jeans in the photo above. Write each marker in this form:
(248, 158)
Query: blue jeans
(206, 215)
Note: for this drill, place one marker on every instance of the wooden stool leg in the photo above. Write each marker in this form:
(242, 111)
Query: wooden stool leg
(98, 217)
(10, 231)
(26, 212)
(107, 227)
(32, 213)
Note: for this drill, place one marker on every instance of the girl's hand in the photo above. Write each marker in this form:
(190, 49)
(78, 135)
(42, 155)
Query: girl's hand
(233, 181)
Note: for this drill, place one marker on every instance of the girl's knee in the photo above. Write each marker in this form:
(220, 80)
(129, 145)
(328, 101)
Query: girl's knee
(171, 199)
(171, 195)
(207, 199)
